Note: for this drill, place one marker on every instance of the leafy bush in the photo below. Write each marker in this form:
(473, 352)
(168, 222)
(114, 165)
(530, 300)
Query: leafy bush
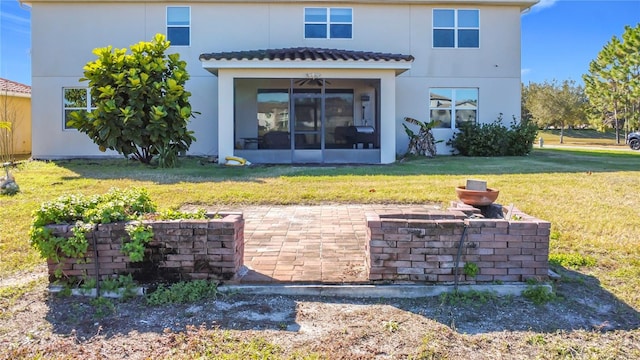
(123, 285)
(84, 212)
(183, 292)
(571, 261)
(471, 269)
(170, 214)
(139, 236)
(466, 297)
(142, 107)
(494, 139)
(538, 294)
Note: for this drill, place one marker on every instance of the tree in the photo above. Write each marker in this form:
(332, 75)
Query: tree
(141, 106)
(613, 83)
(8, 122)
(554, 104)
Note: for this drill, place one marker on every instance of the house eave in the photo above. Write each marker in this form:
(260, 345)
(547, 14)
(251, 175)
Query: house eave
(214, 65)
(15, 94)
(522, 4)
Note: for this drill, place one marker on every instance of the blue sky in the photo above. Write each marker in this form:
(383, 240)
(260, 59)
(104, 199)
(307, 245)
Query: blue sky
(559, 37)
(15, 42)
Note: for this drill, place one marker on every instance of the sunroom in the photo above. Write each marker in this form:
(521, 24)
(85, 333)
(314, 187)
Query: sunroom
(307, 105)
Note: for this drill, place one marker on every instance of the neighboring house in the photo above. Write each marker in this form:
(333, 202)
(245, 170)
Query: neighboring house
(15, 108)
(287, 81)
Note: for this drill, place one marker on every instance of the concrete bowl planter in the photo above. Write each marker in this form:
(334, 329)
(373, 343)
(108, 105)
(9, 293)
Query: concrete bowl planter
(477, 197)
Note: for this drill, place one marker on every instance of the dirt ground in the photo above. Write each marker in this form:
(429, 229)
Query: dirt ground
(583, 319)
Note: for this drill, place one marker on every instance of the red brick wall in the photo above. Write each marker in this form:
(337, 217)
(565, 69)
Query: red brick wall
(180, 250)
(423, 247)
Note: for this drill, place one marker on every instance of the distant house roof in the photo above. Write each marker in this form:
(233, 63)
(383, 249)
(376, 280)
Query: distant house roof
(302, 56)
(14, 88)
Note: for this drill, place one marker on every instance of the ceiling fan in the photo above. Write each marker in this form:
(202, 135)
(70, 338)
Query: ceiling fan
(312, 81)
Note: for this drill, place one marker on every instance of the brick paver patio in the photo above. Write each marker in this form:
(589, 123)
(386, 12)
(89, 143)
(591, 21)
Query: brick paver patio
(308, 243)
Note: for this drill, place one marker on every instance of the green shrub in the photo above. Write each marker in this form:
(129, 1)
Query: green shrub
(142, 106)
(84, 213)
(571, 261)
(183, 292)
(139, 236)
(169, 214)
(471, 269)
(494, 139)
(122, 285)
(467, 297)
(538, 294)
(103, 307)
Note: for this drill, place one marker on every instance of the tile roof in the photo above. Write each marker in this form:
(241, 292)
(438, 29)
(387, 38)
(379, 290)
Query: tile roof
(306, 53)
(14, 87)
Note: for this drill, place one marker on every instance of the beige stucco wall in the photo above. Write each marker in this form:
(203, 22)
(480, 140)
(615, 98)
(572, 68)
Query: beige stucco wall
(18, 110)
(64, 35)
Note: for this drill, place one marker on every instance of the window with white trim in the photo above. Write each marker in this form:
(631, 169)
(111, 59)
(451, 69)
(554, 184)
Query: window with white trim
(456, 28)
(328, 23)
(75, 99)
(179, 25)
(450, 108)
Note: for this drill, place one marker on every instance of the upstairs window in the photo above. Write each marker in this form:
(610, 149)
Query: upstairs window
(450, 108)
(75, 99)
(179, 25)
(328, 23)
(456, 28)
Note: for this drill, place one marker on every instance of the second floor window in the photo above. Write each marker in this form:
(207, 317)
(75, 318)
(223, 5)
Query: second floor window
(328, 23)
(179, 25)
(456, 28)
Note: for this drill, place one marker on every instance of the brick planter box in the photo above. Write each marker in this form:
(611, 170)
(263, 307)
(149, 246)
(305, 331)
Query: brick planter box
(180, 250)
(424, 246)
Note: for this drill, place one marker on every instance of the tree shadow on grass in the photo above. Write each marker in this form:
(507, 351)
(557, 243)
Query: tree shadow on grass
(192, 170)
(581, 304)
(198, 170)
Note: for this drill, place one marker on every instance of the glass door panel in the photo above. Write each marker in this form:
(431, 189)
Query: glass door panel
(307, 121)
(338, 118)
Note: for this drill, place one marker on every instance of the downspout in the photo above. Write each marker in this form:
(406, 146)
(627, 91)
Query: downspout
(457, 262)
(95, 259)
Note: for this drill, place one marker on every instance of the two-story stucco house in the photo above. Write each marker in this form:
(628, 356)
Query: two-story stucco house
(288, 81)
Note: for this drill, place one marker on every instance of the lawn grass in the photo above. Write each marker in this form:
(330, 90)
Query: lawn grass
(590, 197)
(582, 137)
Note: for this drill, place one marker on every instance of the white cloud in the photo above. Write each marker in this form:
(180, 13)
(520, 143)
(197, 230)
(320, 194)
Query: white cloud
(22, 19)
(15, 22)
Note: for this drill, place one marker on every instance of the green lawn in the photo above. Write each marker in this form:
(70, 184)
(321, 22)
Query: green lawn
(582, 137)
(590, 197)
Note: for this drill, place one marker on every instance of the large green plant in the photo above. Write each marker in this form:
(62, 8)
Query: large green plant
(561, 105)
(495, 139)
(613, 83)
(141, 106)
(84, 212)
